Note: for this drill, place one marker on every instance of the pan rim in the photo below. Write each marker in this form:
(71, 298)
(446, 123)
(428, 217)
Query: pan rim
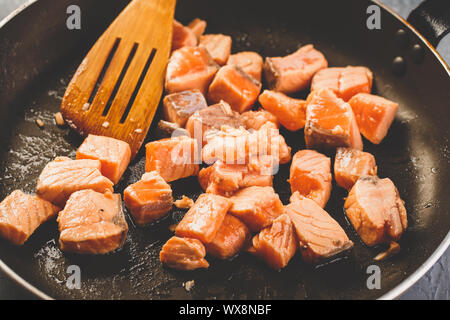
(390, 295)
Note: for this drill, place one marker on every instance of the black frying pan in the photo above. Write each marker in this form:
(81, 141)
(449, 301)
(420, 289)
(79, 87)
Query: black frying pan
(38, 56)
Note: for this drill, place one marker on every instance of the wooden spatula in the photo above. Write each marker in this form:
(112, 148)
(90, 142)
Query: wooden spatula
(117, 88)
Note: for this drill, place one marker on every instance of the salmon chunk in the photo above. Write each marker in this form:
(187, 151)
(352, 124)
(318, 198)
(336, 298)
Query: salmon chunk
(148, 199)
(294, 72)
(198, 26)
(63, 176)
(344, 82)
(204, 219)
(234, 86)
(229, 239)
(225, 179)
(350, 164)
(289, 112)
(238, 146)
(310, 175)
(218, 45)
(319, 235)
(113, 154)
(190, 68)
(250, 62)
(182, 36)
(183, 254)
(374, 115)
(254, 120)
(256, 206)
(212, 118)
(92, 222)
(179, 106)
(330, 122)
(173, 158)
(21, 214)
(376, 211)
(276, 244)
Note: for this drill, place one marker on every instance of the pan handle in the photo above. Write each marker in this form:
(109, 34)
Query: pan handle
(432, 19)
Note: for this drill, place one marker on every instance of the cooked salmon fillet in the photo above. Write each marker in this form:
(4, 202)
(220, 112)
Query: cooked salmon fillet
(183, 36)
(204, 219)
(330, 122)
(190, 68)
(276, 244)
(183, 254)
(289, 112)
(294, 72)
(374, 115)
(256, 206)
(173, 158)
(256, 119)
(238, 146)
(179, 106)
(225, 179)
(92, 222)
(310, 175)
(344, 82)
(21, 214)
(212, 118)
(250, 62)
(230, 238)
(234, 86)
(319, 235)
(198, 26)
(148, 199)
(113, 154)
(218, 45)
(63, 176)
(376, 211)
(350, 164)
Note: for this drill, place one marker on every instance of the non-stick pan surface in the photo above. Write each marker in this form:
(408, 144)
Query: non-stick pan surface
(38, 56)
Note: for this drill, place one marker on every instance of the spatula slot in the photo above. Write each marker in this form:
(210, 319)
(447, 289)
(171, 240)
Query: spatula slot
(138, 85)
(119, 81)
(111, 54)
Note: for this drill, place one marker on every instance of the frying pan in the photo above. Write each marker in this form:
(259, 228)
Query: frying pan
(39, 54)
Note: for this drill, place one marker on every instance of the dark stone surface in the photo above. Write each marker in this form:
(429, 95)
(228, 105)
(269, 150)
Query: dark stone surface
(434, 285)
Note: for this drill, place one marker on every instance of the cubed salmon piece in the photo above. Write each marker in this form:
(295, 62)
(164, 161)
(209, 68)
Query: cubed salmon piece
(256, 119)
(183, 36)
(374, 115)
(173, 158)
(276, 244)
(376, 211)
(203, 220)
(235, 87)
(230, 238)
(350, 164)
(212, 118)
(21, 214)
(190, 68)
(294, 72)
(310, 175)
(256, 206)
(218, 45)
(183, 254)
(250, 62)
(289, 112)
(344, 82)
(330, 122)
(63, 176)
(92, 222)
(319, 235)
(198, 26)
(179, 106)
(148, 199)
(225, 179)
(114, 155)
